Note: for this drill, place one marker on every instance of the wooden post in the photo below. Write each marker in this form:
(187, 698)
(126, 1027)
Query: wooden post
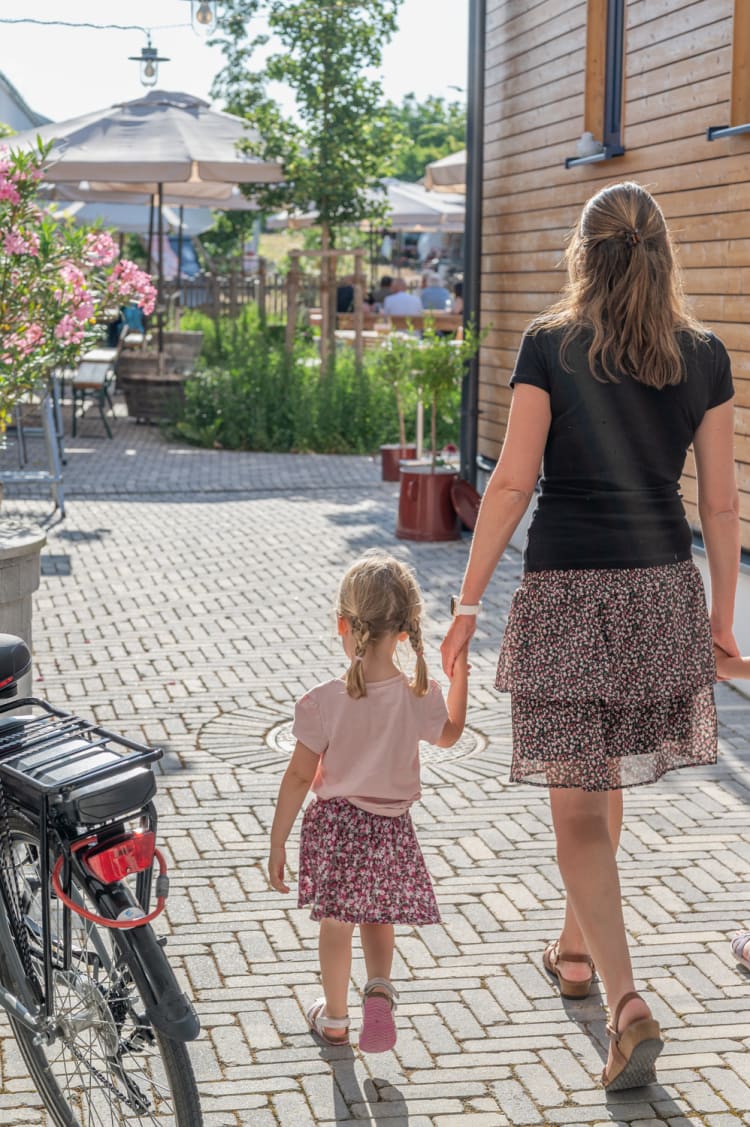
(232, 293)
(261, 291)
(292, 283)
(325, 300)
(359, 297)
(215, 297)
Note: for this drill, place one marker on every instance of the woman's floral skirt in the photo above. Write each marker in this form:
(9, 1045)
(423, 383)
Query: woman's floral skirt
(360, 867)
(611, 676)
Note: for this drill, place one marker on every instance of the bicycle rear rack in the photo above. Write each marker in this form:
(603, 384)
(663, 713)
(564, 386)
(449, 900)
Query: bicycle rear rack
(57, 753)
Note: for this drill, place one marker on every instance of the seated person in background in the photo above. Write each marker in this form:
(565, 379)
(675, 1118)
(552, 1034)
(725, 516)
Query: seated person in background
(345, 294)
(401, 303)
(382, 290)
(458, 298)
(434, 295)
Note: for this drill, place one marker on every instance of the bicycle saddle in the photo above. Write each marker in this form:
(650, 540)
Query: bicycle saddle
(15, 660)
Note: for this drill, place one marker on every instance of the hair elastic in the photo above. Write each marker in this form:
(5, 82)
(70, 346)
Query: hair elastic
(633, 237)
(358, 657)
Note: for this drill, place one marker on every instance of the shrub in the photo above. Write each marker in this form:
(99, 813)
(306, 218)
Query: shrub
(248, 394)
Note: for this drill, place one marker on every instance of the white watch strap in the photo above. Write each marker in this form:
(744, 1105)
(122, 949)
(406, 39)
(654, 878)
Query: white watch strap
(464, 608)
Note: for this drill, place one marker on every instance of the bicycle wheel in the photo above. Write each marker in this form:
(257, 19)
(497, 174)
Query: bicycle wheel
(106, 1065)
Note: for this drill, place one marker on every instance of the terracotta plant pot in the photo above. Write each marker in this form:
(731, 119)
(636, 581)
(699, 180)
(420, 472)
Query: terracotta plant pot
(425, 508)
(390, 456)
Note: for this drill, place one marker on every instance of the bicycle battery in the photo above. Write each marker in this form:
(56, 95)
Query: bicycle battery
(87, 783)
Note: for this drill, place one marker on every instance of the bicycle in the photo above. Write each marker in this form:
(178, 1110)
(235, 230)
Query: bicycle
(93, 1003)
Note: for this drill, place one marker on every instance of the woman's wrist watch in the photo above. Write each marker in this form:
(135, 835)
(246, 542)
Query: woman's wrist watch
(457, 607)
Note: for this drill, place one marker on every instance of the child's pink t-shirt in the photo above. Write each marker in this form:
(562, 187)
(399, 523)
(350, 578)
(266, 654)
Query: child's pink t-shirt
(369, 747)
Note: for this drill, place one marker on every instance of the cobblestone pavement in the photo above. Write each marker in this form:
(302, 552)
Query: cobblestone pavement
(186, 599)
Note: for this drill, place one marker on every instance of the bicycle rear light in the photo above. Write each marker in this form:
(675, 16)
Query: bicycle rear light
(119, 858)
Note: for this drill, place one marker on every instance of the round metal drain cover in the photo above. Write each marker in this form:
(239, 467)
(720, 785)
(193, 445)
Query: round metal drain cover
(254, 736)
(281, 740)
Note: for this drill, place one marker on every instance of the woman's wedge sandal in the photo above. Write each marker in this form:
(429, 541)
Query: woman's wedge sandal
(318, 1021)
(569, 988)
(739, 943)
(378, 1033)
(634, 1051)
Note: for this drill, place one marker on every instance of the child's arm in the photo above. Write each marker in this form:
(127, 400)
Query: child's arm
(456, 700)
(728, 668)
(296, 783)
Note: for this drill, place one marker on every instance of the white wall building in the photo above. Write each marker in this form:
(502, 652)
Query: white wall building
(13, 109)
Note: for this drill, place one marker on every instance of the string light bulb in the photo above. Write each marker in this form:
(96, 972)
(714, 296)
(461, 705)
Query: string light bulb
(203, 17)
(149, 60)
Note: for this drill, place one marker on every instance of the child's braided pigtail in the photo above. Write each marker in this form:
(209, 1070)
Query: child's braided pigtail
(420, 684)
(355, 674)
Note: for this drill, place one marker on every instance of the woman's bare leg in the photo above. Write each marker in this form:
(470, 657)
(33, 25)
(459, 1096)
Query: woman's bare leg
(589, 871)
(571, 935)
(335, 952)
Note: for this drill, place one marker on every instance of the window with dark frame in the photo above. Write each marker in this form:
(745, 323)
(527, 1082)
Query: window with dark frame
(603, 99)
(739, 97)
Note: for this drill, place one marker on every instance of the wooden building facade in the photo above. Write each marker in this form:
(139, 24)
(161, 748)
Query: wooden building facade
(647, 80)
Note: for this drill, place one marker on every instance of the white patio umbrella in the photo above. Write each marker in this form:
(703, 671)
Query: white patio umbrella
(409, 207)
(161, 139)
(135, 218)
(447, 174)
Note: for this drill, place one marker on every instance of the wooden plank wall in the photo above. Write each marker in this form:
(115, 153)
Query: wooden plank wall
(678, 75)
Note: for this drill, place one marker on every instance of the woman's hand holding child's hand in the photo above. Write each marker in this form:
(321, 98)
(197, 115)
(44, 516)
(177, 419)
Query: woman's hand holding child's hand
(276, 866)
(456, 641)
(730, 665)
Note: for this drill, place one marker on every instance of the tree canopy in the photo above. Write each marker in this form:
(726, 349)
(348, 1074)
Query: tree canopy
(344, 137)
(426, 131)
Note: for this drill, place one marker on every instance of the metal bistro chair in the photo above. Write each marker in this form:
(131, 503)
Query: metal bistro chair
(94, 377)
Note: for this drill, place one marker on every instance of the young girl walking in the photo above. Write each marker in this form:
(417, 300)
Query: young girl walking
(358, 749)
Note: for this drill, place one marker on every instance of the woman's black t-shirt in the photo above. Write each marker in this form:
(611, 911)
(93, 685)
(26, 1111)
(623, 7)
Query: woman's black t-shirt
(610, 486)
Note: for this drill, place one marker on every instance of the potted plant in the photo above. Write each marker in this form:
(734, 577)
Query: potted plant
(58, 284)
(394, 362)
(425, 510)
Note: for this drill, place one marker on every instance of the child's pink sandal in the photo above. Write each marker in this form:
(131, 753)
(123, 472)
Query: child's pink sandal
(318, 1021)
(739, 943)
(378, 1033)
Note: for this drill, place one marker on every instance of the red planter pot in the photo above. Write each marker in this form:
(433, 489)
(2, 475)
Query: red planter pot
(390, 456)
(425, 508)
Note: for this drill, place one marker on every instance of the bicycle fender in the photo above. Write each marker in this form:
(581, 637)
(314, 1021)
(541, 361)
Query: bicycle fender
(167, 1007)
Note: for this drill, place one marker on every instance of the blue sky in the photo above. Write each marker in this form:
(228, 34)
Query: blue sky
(63, 72)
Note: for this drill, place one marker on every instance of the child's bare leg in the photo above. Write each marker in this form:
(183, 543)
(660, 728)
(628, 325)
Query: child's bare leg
(571, 936)
(335, 953)
(377, 947)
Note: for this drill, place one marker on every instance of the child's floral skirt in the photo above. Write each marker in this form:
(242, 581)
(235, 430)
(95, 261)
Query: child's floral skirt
(611, 676)
(359, 867)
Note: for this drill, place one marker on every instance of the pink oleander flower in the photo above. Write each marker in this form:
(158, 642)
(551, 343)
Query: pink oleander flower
(8, 191)
(101, 249)
(59, 285)
(128, 283)
(69, 330)
(16, 243)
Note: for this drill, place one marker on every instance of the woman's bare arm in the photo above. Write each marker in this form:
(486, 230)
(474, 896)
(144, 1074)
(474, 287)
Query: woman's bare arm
(505, 500)
(718, 507)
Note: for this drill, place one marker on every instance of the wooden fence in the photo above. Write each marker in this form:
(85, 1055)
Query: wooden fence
(226, 294)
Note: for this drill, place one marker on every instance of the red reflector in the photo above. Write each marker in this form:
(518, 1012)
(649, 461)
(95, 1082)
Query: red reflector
(120, 858)
(7, 681)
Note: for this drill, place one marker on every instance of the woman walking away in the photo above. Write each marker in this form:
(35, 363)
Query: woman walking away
(358, 748)
(608, 652)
